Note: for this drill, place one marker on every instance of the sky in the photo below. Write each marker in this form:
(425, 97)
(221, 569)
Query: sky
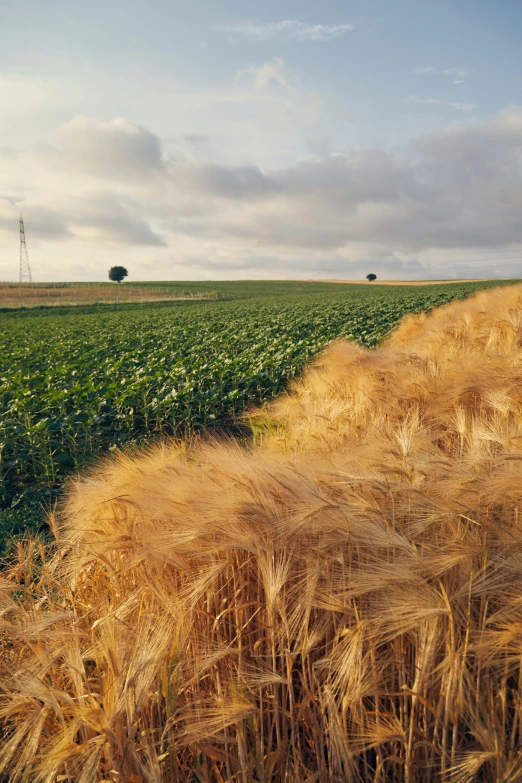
(227, 139)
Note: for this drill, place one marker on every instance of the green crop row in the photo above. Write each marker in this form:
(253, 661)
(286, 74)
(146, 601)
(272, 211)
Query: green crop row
(74, 384)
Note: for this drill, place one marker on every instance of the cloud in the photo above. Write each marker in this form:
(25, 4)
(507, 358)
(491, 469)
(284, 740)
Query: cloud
(271, 73)
(118, 149)
(46, 223)
(456, 188)
(98, 217)
(290, 28)
(464, 106)
(108, 217)
(459, 74)
(409, 210)
(416, 99)
(467, 107)
(195, 139)
(210, 180)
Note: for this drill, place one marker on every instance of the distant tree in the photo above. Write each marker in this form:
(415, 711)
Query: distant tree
(117, 273)
(371, 277)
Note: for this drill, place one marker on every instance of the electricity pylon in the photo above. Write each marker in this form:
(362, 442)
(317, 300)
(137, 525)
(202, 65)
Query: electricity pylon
(25, 269)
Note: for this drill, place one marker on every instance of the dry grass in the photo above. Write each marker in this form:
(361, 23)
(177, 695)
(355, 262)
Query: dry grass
(14, 295)
(341, 602)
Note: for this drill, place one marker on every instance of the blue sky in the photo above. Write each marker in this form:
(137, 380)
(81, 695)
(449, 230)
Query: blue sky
(212, 140)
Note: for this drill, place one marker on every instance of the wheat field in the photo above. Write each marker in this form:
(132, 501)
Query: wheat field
(338, 600)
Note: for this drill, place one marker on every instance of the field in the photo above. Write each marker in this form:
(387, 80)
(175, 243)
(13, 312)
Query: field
(14, 295)
(338, 599)
(408, 282)
(77, 382)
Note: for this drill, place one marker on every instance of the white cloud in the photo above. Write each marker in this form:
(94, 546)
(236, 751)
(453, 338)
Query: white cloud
(468, 107)
(417, 99)
(46, 223)
(291, 28)
(409, 211)
(459, 74)
(272, 72)
(117, 149)
(108, 217)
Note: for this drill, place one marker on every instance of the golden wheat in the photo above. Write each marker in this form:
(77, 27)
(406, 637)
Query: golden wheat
(341, 601)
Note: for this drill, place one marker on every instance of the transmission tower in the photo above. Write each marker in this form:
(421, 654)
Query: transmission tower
(25, 269)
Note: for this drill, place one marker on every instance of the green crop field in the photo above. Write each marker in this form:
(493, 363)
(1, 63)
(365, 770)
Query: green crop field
(77, 382)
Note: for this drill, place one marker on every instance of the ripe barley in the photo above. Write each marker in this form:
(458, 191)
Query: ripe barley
(341, 602)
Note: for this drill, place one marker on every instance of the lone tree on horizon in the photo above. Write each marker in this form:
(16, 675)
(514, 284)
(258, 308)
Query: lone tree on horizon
(371, 277)
(117, 273)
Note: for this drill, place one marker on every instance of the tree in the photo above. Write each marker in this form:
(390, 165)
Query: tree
(117, 273)
(371, 277)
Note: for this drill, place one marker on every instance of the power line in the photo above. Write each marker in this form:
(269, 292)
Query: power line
(25, 269)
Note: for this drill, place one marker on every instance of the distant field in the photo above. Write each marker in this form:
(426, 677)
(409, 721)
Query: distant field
(405, 282)
(13, 295)
(78, 381)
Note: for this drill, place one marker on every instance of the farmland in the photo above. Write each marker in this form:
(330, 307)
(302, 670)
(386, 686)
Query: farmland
(79, 381)
(339, 600)
(22, 295)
